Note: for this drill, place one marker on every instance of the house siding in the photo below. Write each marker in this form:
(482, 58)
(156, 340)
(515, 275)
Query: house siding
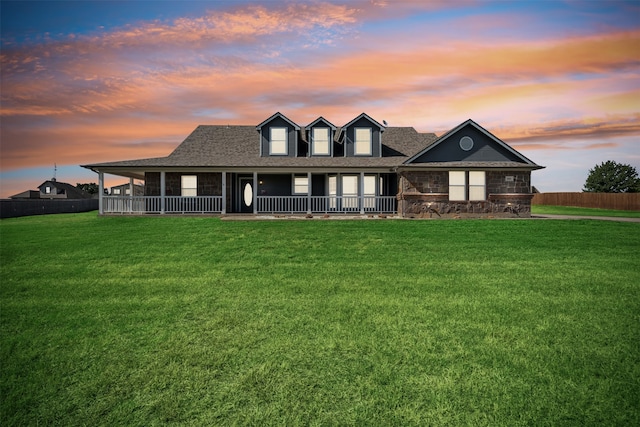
(484, 149)
(209, 184)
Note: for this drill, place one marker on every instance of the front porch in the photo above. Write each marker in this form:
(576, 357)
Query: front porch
(264, 205)
(264, 193)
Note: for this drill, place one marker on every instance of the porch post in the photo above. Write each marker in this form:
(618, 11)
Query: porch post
(224, 193)
(309, 192)
(100, 193)
(361, 197)
(255, 193)
(339, 192)
(163, 190)
(130, 194)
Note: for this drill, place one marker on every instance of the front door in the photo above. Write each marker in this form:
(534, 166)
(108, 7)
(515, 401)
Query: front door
(246, 195)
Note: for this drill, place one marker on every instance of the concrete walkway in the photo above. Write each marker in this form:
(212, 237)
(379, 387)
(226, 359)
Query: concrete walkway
(602, 218)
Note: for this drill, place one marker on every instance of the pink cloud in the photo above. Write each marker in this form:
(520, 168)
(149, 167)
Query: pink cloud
(112, 95)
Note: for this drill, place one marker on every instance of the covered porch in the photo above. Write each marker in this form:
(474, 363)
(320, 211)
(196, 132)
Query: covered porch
(222, 192)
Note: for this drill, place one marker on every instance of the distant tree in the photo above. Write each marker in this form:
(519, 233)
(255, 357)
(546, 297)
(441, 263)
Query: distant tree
(91, 188)
(612, 177)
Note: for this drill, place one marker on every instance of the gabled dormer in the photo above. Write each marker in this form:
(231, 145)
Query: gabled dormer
(362, 137)
(278, 136)
(320, 134)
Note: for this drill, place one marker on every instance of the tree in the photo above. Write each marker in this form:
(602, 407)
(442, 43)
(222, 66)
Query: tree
(612, 177)
(91, 188)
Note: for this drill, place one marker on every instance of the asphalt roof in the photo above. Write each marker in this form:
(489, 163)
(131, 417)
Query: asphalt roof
(231, 146)
(239, 146)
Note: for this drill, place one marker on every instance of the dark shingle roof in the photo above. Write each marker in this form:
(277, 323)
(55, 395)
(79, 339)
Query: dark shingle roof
(71, 191)
(473, 164)
(239, 146)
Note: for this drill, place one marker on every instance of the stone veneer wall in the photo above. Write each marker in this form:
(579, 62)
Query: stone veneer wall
(425, 194)
(209, 184)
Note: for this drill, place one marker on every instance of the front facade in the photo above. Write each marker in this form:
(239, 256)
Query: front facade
(362, 167)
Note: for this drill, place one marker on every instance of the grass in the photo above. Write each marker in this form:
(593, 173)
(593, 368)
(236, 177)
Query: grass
(572, 210)
(192, 320)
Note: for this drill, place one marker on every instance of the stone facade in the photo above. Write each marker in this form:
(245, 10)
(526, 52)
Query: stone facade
(515, 182)
(425, 194)
(209, 184)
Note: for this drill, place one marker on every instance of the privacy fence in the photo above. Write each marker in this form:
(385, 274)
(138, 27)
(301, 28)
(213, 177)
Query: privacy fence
(619, 201)
(15, 208)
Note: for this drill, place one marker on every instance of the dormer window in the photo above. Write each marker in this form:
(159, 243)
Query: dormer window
(362, 146)
(278, 142)
(320, 142)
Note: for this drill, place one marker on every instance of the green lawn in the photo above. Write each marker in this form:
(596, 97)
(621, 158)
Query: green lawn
(573, 210)
(192, 320)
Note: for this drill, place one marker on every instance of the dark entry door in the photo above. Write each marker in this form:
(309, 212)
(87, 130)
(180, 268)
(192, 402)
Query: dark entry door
(246, 195)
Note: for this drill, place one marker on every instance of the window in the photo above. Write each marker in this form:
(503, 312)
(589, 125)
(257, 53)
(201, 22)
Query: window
(320, 142)
(350, 191)
(127, 191)
(278, 141)
(363, 142)
(333, 191)
(300, 185)
(369, 191)
(189, 186)
(116, 191)
(477, 185)
(47, 190)
(457, 185)
(458, 189)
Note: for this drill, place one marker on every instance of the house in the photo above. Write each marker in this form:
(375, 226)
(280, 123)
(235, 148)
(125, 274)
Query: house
(54, 189)
(125, 189)
(362, 167)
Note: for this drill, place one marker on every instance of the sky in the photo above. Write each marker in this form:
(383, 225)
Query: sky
(95, 81)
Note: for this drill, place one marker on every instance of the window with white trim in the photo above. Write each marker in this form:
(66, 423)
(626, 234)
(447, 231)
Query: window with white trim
(350, 191)
(47, 190)
(278, 141)
(477, 185)
(116, 191)
(369, 191)
(320, 142)
(469, 185)
(189, 186)
(457, 185)
(333, 191)
(362, 145)
(301, 185)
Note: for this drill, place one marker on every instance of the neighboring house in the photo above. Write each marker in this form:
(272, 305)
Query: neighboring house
(125, 190)
(54, 189)
(362, 167)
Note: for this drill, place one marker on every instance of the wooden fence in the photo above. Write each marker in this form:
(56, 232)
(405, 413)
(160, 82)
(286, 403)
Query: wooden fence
(618, 201)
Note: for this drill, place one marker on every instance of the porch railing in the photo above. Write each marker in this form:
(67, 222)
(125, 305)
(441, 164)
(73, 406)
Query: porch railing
(326, 204)
(153, 204)
(265, 204)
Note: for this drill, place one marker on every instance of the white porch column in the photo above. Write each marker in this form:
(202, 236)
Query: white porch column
(130, 194)
(163, 191)
(255, 193)
(309, 192)
(361, 191)
(100, 193)
(339, 199)
(224, 192)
